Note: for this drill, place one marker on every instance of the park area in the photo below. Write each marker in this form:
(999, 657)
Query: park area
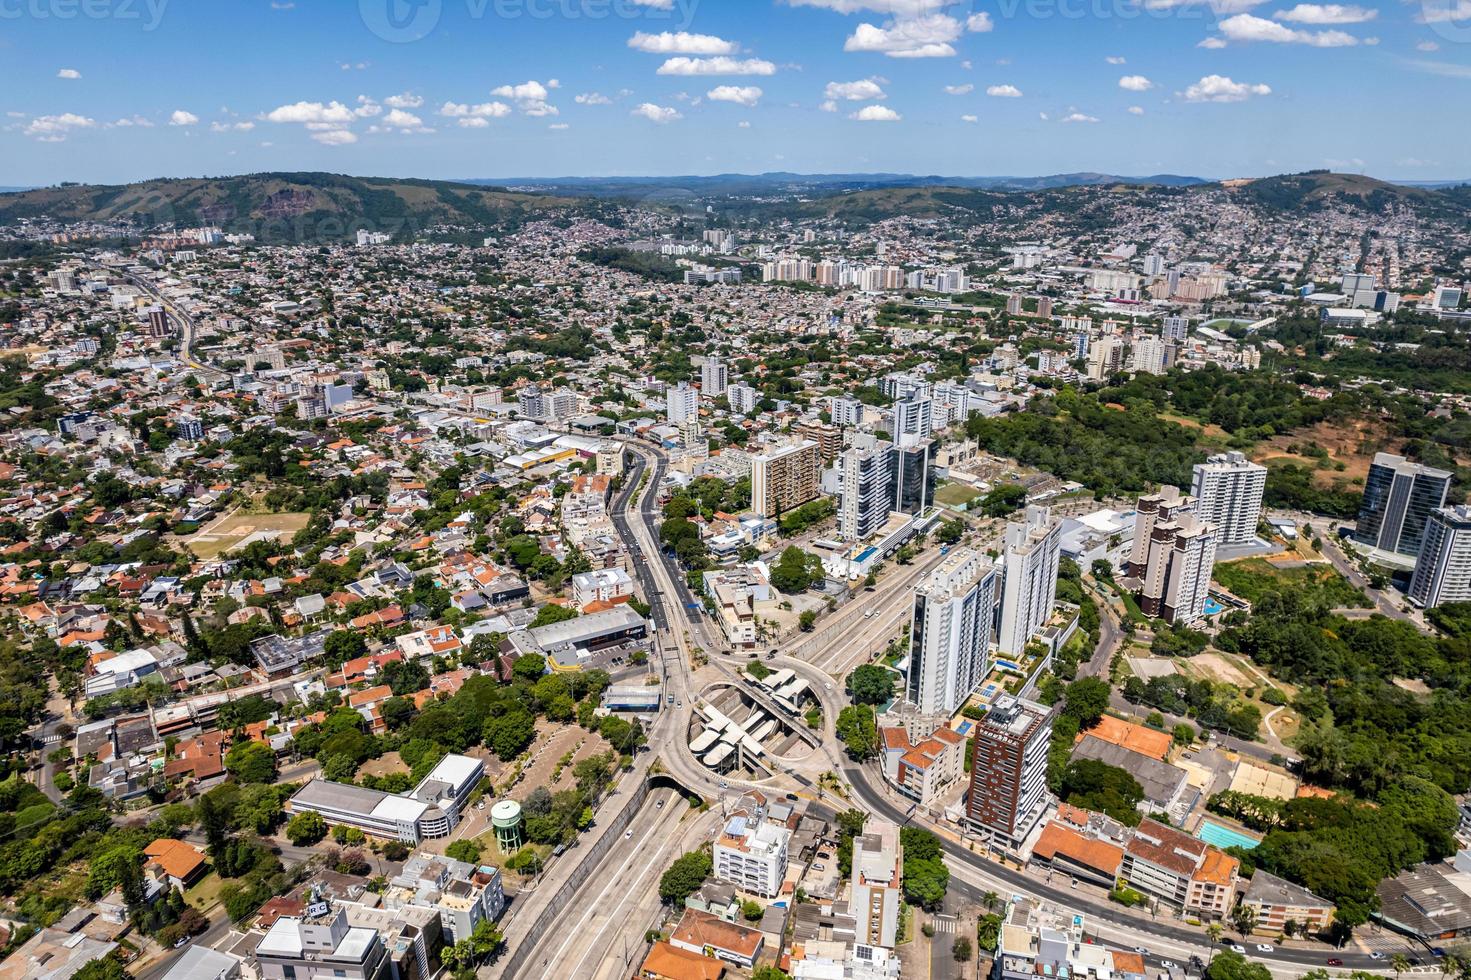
(236, 530)
(1316, 582)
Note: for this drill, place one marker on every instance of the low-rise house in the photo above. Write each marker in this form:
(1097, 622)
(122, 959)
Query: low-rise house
(704, 934)
(1277, 902)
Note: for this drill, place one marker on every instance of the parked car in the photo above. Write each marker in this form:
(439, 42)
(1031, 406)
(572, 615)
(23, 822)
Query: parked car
(1334, 961)
(1238, 948)
(1264, 948)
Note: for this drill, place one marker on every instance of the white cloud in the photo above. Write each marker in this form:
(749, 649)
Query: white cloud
(54, 129)
(682, 42)
(399, 119)
(405, 101)
(1247, 28)
(921, 37)
(1326, 13)
(1114, 59)
(142, 122)
(69, 73)
(876, 113)
(1212, 42)
(657, 113)
(1135, 83)
(967, 119)
(592, 98)
(1427, 46)
(959, 89)
(980, 23)
(558, 126)
(481, 111)
(716, 66)
(828, 105)
(334, 113)
(335, 137)
(1078, 117)
(244, 126)
(367, 108)
(899, 8)
(181, 117)
(863, 90)
(1443, 11)
(746, 95)
(531, 96)
(1136, 110)
(472, 122)
(1004, 91)
(1219, 88)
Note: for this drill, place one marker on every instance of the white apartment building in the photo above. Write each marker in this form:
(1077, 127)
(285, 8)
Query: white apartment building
(785, 477)
(742, 398)
(1033, 549)
(462, 894)
(875, 898)
(949, 643)
(1443, 570)
(600, 585)
(1105, 358)
(751, 854)
(865, 488)
(914, 420)
(1150, 355)
(1228, 491)
(844, 412)
(714, 377)
(681, 404)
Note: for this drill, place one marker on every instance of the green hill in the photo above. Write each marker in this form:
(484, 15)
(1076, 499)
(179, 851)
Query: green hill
(286, 206)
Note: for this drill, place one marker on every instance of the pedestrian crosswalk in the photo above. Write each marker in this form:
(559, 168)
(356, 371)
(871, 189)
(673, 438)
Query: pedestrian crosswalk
(944, 923)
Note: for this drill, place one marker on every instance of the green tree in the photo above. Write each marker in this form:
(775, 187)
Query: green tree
(306, 828)
(1085, 700)
(251, 762)
(687, 873)
(1231, 965)
(871, 684)
(858, 729)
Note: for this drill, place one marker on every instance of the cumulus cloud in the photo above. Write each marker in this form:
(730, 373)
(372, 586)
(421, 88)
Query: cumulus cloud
(1326, 13)
(474, 116)
(399, 119)
(716, 66)
(592, 98)
(959, 89)
(332, 113)
(530, 96)
(746, 95)
(70, 73)
(1114, 59)
(980, 23)
(657, 113)
(54, 129)
(682, 42)
(405, 101)
(863, 90)
(244, 126)
(1078, 117)
(1247, 28)
(1003, 91)
(1443, 11)
(1219, 88)
(142, 122)
(1135, 83)
(876, 113)
(1136, 110)
(929, 36)
(967, 119)
(181, 117)
(335, 137)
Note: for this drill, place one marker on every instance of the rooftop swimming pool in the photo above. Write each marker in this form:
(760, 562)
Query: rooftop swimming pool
(1219, 835)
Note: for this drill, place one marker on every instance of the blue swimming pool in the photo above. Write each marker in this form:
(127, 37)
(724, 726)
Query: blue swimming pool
(1218, 835)
(1212, 606)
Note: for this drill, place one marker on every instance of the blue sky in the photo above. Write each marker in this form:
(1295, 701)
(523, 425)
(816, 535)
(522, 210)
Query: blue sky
(114, 90)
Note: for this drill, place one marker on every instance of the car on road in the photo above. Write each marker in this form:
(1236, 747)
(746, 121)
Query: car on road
(1334, 961)
(1265, 948)
(627, 834)
(1376, 955)
(724, 784)
(659, 805)
(1168, 964)
(1238, 948)
(1141, 950)
(182, 942)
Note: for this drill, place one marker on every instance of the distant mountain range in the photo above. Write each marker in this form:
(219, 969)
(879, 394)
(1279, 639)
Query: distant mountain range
(332, 207)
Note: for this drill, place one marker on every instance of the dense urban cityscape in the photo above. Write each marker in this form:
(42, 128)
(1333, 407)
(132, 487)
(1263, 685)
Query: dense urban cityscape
(845, 576)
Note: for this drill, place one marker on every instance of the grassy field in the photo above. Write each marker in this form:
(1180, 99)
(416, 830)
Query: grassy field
(237, 530)
(1252, 578)
(955, 494)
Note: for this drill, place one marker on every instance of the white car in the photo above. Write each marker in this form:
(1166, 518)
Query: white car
(1264, 948)
(1238, 948)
